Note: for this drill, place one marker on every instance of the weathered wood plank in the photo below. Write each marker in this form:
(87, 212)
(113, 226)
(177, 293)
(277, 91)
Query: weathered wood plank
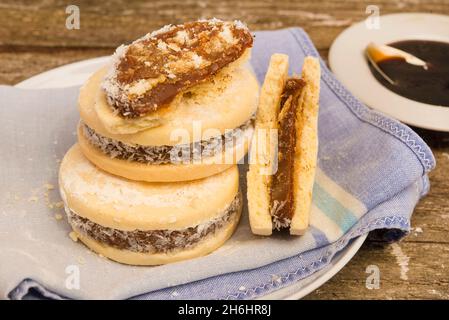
(108, 24)
(18, 64)
(427, 276)
(427, 248)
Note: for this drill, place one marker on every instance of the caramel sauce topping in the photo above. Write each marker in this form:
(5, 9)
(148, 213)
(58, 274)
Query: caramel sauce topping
(155, 68)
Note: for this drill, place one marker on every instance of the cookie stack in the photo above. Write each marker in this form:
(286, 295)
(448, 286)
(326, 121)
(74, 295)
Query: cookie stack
(153, 178)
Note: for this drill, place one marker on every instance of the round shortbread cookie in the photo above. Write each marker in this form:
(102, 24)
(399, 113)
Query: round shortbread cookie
(122, 204)
(212, 110)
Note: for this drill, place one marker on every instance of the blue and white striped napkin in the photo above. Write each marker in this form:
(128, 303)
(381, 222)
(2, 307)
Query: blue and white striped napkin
(372, 172)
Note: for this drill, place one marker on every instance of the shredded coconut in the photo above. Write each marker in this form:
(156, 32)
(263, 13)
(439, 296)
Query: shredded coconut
(162, 30)
(227, 35)
(182, 37)
(164, 154)
(110, 84)
(197, 60)
(278, 223)
(240, 25)
(154, 241)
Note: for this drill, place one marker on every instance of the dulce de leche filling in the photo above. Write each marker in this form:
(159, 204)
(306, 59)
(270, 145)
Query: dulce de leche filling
(281, 192)
(155, 241)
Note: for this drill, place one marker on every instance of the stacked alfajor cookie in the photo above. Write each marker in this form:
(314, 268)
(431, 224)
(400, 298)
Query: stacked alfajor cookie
(153, 178)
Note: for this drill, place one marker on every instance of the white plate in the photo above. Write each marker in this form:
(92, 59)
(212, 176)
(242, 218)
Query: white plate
(77, 73)
(349, 65)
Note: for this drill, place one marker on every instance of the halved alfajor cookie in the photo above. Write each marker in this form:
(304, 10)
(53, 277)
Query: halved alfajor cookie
(284, 150)
(144, 223)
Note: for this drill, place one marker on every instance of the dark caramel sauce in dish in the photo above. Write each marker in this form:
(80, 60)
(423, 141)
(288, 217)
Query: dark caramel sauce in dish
(429, 86)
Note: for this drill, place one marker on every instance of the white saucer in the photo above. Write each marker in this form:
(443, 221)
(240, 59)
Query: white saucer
(349, 65)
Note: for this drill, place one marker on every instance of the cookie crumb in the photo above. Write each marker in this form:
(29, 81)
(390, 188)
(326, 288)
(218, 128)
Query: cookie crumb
(417, 231)
(49, 186)
(33, 199)
(58, 205)
(58, 217)
(73, 236)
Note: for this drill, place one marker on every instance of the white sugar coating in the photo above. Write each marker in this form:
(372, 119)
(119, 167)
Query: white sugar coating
(82, 179)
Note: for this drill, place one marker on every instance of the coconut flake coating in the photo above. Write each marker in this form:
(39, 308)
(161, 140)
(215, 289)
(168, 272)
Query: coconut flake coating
(181, 153)
(147, 74)
(155, 241)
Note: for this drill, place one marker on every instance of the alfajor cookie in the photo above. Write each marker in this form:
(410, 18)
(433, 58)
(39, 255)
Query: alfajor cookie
(203, 128)
(282, 166)
(142, 223)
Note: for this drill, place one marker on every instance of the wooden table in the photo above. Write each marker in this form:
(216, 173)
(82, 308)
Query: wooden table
(33, 38)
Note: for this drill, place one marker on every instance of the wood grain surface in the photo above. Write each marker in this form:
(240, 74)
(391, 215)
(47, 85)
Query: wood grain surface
(33, 38)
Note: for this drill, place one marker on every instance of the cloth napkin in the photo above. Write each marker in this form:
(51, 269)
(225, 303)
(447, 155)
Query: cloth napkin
(372, 172)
